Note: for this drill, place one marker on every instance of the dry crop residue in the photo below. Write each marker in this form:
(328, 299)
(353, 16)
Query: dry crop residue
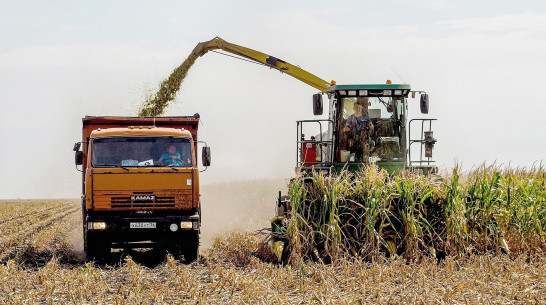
(233, 272)
(35, 230)
(167, 92)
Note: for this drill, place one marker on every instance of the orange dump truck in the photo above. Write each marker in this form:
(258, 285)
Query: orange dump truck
(140, 184)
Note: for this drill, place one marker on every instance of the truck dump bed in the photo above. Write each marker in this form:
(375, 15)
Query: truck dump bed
(91, 123)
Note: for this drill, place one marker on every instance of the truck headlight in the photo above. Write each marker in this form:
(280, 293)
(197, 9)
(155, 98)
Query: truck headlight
(186, 225)
(98, 225)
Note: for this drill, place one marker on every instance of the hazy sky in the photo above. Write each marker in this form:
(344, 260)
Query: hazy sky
(483, 64)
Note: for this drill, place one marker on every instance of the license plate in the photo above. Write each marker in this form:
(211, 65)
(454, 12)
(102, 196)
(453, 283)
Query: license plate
(142, 225)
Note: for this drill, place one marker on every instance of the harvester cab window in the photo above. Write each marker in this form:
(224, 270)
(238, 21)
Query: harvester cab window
(141, 151)
(370, 129)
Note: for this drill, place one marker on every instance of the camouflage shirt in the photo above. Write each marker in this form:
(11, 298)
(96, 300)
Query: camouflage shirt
(358, 124)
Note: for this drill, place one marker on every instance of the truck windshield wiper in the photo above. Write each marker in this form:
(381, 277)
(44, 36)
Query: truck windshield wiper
(174, 168)
(113, 166)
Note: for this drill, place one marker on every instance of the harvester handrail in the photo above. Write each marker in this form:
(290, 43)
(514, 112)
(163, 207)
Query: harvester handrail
(321, 142)
(421, 140)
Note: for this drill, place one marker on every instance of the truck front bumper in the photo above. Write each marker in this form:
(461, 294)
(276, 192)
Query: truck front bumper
(137, 228)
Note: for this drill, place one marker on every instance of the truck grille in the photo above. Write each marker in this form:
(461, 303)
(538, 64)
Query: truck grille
(180, 199)
(126, 202)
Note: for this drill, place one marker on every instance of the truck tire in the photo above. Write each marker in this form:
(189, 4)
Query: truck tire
(190, 246)
(173, 247)
(95, 248)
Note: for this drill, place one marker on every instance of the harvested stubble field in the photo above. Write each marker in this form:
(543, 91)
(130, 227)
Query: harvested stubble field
(41, 263)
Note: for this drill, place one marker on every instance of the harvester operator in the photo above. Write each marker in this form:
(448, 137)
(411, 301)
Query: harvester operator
(358, 130)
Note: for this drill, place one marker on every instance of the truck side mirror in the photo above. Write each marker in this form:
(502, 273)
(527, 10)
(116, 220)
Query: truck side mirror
(79, 157)
(317, 104)
(205, 156)
(424, 103)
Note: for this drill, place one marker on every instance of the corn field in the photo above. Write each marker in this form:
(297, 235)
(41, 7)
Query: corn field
(371, 214)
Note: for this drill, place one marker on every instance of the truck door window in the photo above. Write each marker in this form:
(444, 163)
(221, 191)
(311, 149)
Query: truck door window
(141, 151)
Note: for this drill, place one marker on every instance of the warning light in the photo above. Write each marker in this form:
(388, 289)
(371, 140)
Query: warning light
(389, 82)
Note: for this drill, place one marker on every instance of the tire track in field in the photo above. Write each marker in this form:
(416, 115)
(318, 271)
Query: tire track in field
(13, 245)
(3, 221)
(9, 228)
(56, 240)
(57, 234)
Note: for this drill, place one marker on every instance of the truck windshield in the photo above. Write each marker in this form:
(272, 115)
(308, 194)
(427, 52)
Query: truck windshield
(141, 151)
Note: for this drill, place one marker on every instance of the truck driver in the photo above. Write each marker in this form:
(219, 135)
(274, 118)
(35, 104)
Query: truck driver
(172, 157)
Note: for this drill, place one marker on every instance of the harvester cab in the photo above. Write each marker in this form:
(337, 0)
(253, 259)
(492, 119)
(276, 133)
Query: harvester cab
(367, 124)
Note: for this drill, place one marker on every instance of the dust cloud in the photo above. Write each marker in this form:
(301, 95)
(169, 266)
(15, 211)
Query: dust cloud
(74, 238)
(239, 205)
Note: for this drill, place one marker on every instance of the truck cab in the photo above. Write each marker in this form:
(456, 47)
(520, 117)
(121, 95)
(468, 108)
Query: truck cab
(140, 184)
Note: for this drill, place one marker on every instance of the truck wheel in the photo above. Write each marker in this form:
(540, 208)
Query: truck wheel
(173, 247)
(84, 240)
(95, 248)
(190, 246)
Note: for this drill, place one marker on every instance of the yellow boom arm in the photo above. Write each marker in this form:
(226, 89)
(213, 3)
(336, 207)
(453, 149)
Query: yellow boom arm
(218, 43)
